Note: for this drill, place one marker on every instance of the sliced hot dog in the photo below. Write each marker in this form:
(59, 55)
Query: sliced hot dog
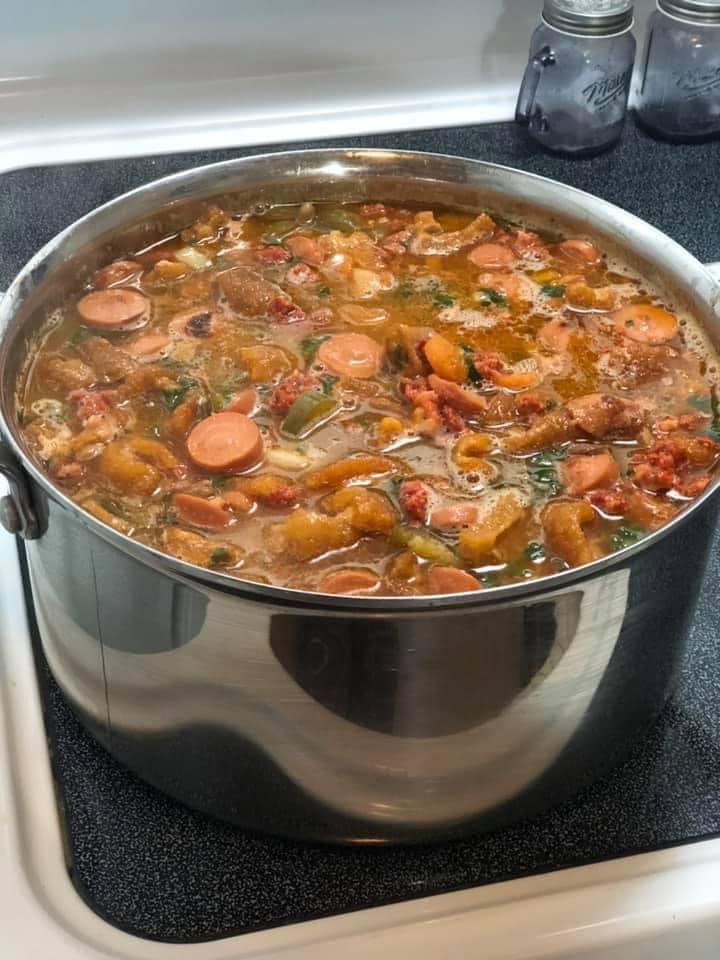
(451, 580)
(242, 402)
(581, 252)
(118, 272)
(555, 335)
(225, 442)
(646, 323)
(149, 345)
(491, 256)
(114, 309)
(589, 472)
(197, 512)
(456, 515)
(351, 355)
(348, 582)
(307, 249)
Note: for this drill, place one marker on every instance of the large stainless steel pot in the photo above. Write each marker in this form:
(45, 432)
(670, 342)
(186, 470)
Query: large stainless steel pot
(337, 718)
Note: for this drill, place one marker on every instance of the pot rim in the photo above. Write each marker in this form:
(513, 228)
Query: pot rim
(291, 598)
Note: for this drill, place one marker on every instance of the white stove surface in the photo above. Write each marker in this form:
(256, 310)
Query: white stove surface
(656, 905)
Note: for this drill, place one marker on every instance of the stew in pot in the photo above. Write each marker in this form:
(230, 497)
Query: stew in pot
(363, 399)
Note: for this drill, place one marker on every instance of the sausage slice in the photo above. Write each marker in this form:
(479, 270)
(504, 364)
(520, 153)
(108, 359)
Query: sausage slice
(198, 512)
(114, 309)
(225, 442)
(451, 580)
(348, 582)
(491, 256)
(351, 355)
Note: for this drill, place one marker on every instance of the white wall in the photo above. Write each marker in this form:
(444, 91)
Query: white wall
(80, 79)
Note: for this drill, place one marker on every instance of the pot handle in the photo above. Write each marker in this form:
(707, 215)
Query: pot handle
(18, 511)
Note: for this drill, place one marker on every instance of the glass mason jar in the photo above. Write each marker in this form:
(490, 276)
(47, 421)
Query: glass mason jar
(678, 95)
(573, 97)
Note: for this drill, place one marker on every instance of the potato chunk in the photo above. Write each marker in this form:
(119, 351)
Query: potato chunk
(306, 534)
(476, 543)
(335, 474)
(563, 523)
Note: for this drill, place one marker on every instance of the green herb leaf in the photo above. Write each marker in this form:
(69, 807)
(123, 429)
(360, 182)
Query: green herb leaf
(82, 333)
(112, 507)
(327, 384)
(173, 398)
(405, 288)
(542, 471)
(441, 300)
(701, 402)
(626, 535)
(469, 354)
(493, 297)
(219, 482)
(276, 233)
(307, 408)
(153, 431)
(338, 218)
(535, 551)
(219, 556)
(322, 292)
(552, 290)
(170, 363)
(550, 404)
(399, 356)
(309, 346)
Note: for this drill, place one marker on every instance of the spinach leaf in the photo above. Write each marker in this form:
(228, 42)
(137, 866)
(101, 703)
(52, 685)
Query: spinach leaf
(309, 346)
(535, 552)
(493, 297)
(399, 356)
(174, 397)
(542, 471)
(219, 556)
(441, 300)
(327, 384)
(701, 402)
(82, 333)
(469, 355)
(626, 535)
(552, 290)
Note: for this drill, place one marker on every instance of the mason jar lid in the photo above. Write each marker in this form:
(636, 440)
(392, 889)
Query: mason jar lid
(595, 18)
(696, 11)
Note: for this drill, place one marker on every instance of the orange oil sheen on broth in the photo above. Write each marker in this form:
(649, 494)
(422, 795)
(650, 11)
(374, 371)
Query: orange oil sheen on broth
(373, 400)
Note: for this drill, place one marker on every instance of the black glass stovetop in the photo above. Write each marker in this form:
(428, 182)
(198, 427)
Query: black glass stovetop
(161, 871)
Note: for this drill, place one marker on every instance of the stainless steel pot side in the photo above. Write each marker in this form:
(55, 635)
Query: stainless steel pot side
(350, 719)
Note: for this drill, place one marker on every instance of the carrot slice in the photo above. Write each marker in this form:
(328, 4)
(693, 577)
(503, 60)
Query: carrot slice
(646, 323)
(351, 355)
(225, 442)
